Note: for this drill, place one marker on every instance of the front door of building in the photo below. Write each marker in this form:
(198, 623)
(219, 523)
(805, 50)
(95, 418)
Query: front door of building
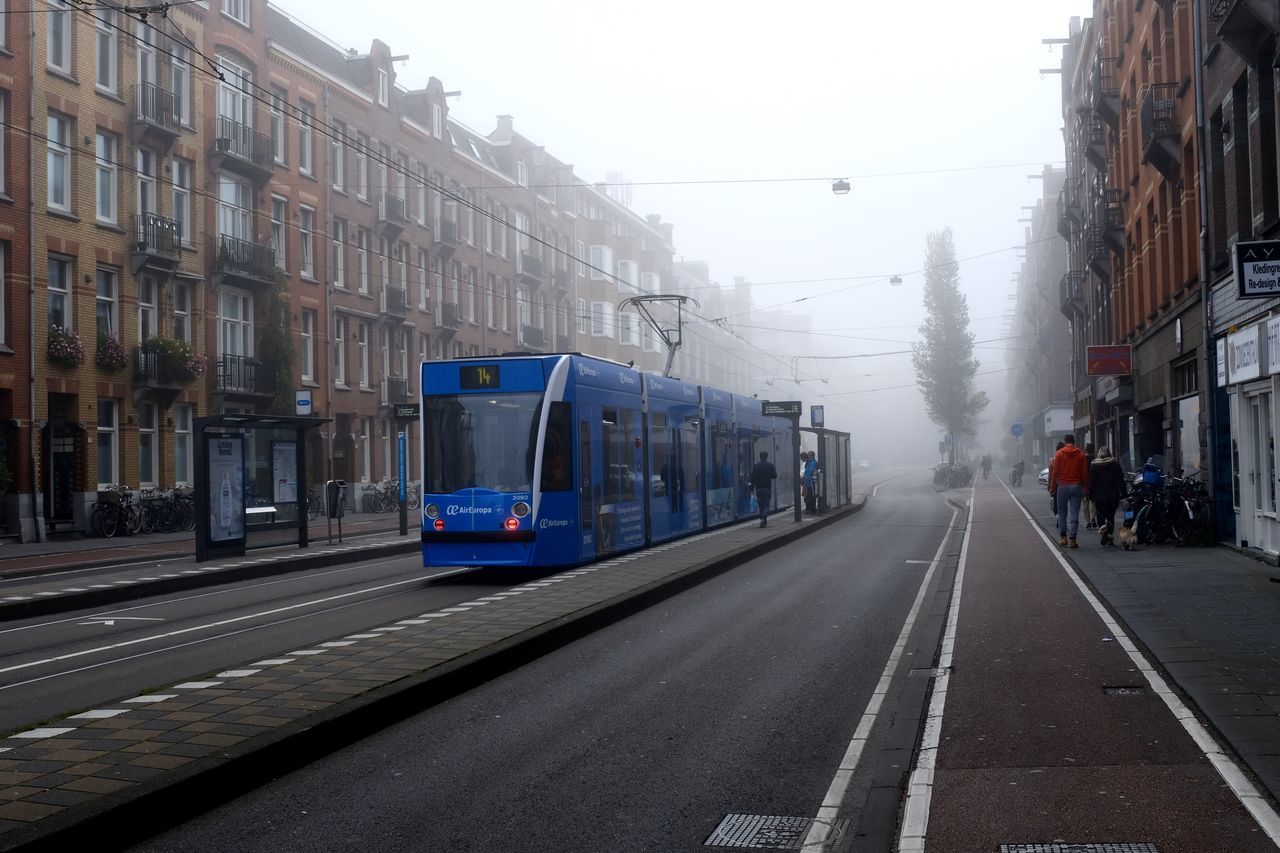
(1261, 464)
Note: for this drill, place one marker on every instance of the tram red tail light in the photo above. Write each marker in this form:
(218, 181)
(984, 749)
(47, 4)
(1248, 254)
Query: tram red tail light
(512, 523)
(439, 524)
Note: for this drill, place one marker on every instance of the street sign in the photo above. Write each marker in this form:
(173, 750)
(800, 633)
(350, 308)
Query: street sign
(1016, 430)
(816, 415)
(1109, 360)
(405, 411)
(782, 408)
(1257, 268)
(302, 402)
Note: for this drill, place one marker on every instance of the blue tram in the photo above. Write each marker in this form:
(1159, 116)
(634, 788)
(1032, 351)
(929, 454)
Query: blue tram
(556, 460)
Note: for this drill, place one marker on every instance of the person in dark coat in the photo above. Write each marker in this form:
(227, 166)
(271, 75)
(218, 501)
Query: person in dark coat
(1107, 487)
(762, 476)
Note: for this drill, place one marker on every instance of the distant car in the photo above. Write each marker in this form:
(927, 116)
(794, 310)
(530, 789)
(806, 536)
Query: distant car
(1044, 476)
(864, 463)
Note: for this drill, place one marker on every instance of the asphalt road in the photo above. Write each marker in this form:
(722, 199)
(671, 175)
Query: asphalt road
(740, 696)
(50, 666)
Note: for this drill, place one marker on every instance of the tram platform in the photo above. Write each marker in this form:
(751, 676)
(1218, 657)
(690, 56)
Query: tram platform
(89, 778)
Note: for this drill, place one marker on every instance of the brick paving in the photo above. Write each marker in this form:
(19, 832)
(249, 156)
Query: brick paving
(82, 778)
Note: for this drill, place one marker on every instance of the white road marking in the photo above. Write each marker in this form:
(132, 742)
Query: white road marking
(108, 621)
(196, 685)
(820, 830)
(150, 698)
(237, 673)
(36, 734)
(273, 662)
(100, 714)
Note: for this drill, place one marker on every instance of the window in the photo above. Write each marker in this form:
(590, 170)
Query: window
(581, 257)
(424, 285)
(106, 147)
(58, 38)
(4, 135)
(237, 10)
(182, 310)
(235, 323)
(182, 461)
(522, 173)
(147, 307)
(488, 227)
(306, 237)
(422, 195)
(583, 316)
(362, 166)
(146, 40)
(146, 174)
(106, 303)
(305, 161)
(235, 99)
(4, 287)
(106, 55)
(490, 299)
(437, 121)
(362, 259)
(650, 282)
(148, 465)
(107, 444)
(235, 208)
(384, 88)
(601, 262)
(338, 260)
(338, 156)
(59, 292)
(629, 330)
(180, 82)
(384, 263)
(601, 319)
(276, 110)
(628, 275)
(340, 351)
(362, 345)
(471, 294)
(59, 164)
(182, 170)
(307, 322)
(279, 212)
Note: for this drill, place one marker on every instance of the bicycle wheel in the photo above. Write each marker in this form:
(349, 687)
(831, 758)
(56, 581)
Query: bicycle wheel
(108, 519)
(131, 516)
(412, 499)
(95, 520)
(373, 501)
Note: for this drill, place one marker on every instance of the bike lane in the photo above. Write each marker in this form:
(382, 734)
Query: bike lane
(1047, 728)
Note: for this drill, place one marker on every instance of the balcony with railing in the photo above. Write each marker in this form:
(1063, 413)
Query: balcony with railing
(391, 215)
(531, 338)
(446, 242)
(157, 115)
(240, 148)
(562, 278)
(394, 302)
(1110, 216)
(1106, 89)
(530, 269)
(239, 375)
(1246, 25)
(242, 262)
(563, 344)
(1093, 135)
(1097, 253)
(1161, 135)
(157, 241)
(395, 389)
(1071, 294)
(449, 320)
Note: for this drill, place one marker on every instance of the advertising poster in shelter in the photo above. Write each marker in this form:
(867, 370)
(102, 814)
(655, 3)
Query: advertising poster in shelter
(284, 471)
(226, 488)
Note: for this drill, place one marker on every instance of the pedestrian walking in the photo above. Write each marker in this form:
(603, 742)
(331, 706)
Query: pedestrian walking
(1107, 488)
(808, 481)
(1053, 492)
(1087, 508)
(762, 476)
(1068, 483)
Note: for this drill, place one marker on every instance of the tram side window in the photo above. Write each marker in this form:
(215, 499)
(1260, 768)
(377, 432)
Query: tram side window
(622, 473)
(660, 443)
(721, 463)
(557, 464)
(689, 453)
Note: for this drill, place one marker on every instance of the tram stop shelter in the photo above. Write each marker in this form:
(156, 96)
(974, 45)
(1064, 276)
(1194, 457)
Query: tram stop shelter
(834, 486)
(250, 482)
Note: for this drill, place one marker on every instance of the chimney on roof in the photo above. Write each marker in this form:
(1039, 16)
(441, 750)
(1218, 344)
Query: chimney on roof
(653, 219)
(506, 124)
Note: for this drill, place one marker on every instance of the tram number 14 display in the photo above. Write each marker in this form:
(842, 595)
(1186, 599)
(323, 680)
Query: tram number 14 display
(474, 377)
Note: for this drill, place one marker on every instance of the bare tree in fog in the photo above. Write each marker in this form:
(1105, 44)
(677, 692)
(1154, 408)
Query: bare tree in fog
(944, 360)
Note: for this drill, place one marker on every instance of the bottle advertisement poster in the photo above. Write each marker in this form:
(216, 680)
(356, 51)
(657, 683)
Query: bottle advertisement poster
(284, 471)
(226, 488)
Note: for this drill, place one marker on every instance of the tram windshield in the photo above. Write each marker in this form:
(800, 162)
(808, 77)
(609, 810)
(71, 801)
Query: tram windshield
(480, 441)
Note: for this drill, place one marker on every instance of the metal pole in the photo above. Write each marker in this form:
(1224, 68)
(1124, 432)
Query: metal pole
(795, 460)
(402, 466)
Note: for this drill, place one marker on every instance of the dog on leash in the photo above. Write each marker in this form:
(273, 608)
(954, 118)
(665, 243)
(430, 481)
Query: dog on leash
(1128, 538)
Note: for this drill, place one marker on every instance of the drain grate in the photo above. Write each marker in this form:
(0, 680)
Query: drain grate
(769, 832)
(1107, 847)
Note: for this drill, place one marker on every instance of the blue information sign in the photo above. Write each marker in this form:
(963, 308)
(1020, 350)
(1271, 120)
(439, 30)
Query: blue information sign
(403, 465)
(1016, 429)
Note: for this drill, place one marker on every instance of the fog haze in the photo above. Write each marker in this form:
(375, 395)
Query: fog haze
(731, 119)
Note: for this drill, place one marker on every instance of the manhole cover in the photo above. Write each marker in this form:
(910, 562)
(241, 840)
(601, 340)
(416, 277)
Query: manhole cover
(769, 832)
(1104, 847)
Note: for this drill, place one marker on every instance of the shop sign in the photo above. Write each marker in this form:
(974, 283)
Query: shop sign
(1246, 350)
(1222, 362)
(1108, 360)
(1057, 419)
(1257, 269)
(1273, 345)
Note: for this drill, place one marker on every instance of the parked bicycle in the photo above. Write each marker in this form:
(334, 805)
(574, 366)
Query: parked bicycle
(315, 503)
(952, 476)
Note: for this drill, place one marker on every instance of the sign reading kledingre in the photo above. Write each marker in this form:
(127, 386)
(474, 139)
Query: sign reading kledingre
(1257, 268)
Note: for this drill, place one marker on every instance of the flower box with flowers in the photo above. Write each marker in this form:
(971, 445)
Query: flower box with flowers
(175, 360)
(111, 354)
(64, 347)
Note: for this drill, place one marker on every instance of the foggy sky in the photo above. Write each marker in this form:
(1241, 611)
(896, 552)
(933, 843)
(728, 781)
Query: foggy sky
(936, 115)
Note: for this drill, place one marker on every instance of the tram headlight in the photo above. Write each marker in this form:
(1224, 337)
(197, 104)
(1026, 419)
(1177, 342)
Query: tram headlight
(520, 509)
(512, 524)
(432, 511)
(439, 525)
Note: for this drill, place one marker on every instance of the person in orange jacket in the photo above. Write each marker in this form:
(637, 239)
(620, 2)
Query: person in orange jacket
(1069, 481)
